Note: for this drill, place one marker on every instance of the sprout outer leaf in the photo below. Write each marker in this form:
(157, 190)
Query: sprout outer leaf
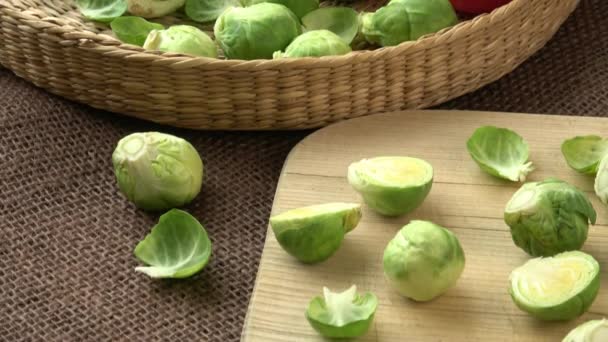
(343, 21)
(208, 10)
(584, 153)
(601, 181)
(133, 30)
(102, 10)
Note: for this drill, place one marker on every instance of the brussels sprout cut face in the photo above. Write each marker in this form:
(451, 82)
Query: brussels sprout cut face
(182, 39)
(585, 153)
(423, 261)
(592, 331)
(315, 44)
(500, 152)
(562, 287)
(342, 315)
(549, 217)
(392, 186)
(157, 171)
(313, 234)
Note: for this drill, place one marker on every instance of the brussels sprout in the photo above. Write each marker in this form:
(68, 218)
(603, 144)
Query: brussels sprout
(182, 39)
(157, 171)
(313, 234)
(342, 315)
(177, 247)
(405, 20)
(298, 7)
(591, 331)
(601, 181)
(133, 30)
(256, 31)
(392, 186)
(208, 10)
(549, 217)
(584, 153)
(500, 152)
(102, 10)
(423, 260)
(556, 288)
(154, 8)
(315, 44)
(343, 21)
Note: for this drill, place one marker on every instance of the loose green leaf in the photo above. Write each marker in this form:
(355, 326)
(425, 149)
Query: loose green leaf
(177, 247)
(208, 10)
(585, 152)
(500, 152)
(299, 7)
(102, 10)
(133, 30)
(343, 21)
(154, 8)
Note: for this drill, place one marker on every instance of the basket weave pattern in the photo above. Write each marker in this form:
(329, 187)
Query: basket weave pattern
(50, 44)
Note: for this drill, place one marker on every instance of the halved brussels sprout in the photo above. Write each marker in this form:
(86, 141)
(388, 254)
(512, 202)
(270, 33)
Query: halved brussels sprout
(500, 152)
(423, 260)
(314, 233)
(601, 181)
(591, 331)
(154, 8)
(549, 217)
(392, 186)
(343, 21)
(342, 315)
(405, 20)
(157, 171)
(585, 153)
(555, 288)
(298, 7)
(133, 30)
(102, 10)
(182, 39)
(315, 44)
(257, 31)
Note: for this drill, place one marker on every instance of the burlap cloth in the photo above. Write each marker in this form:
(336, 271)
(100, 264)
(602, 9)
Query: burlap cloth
(67, 235)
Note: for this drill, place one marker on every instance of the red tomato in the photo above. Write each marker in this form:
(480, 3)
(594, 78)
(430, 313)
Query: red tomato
(477, 6)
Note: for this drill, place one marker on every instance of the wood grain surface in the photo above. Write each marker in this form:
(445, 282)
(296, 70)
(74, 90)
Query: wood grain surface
(463, 199)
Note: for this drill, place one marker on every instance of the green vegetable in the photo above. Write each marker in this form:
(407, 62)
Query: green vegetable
(154, 8)
(342, 315)
(343, 21)
(392, 186)
(601, 181)
(157, 171)
(405, 20)
(177, 247)
(423, 260)
(584, 153)
(208, 10)
(500, 152)
(102, 10)
(257, 31)
(549, 217)
(315, 44)
(133, 30)
(182, 39)
(299, 7)
(591, 331)
(314, 233)
(562, 287)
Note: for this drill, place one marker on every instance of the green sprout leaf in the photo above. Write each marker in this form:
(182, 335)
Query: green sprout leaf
(133, 30)
(208, 10)
(342, 315)
(556, 288)
(500, 152)
(177, 247)
(591, 331)
(102, 10)
(584, 153)
(343, 21)
(299, 7)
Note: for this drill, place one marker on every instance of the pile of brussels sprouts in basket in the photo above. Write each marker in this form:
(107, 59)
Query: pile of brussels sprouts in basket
(265, 29)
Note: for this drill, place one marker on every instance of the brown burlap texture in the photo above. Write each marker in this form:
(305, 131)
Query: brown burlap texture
(67, 235)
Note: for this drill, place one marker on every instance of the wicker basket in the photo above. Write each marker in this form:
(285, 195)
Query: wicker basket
(50, 44)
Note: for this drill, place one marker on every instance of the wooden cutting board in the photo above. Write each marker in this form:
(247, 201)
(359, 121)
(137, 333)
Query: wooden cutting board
(463, 199)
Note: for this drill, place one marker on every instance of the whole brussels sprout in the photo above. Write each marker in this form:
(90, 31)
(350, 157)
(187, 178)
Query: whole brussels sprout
(423, 260)
(405, 20)
(157, 171)
(298, 7)
(256, 32)
(591, 331)
(182, 39)
(549, 217)
(153, 8)
(315, 44)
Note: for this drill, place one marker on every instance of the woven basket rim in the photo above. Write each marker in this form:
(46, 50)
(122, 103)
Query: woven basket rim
(112, 44)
